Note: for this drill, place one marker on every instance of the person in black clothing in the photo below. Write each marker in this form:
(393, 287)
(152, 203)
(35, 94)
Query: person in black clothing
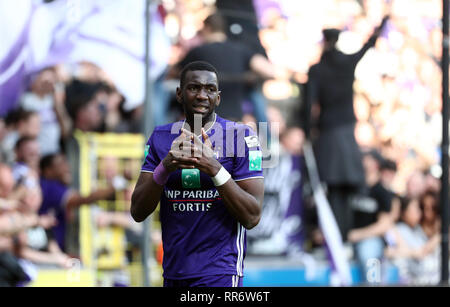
(375, 211)
(236, 63)
(330, 85)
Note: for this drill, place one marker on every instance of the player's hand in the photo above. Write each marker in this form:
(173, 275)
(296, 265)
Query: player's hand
(180, 154)
(204, 152)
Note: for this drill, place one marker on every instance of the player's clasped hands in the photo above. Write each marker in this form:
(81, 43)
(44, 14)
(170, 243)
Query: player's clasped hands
(188, 151)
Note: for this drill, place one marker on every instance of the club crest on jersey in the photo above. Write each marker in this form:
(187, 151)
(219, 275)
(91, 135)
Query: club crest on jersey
(147, 149)
(251, 141)
(190, 178)
(255, 160)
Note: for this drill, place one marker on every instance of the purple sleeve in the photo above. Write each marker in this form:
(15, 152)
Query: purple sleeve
(151, 159)
(54, 196)
(248, 161)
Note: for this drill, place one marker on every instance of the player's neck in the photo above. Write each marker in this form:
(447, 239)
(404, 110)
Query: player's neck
(206, 123)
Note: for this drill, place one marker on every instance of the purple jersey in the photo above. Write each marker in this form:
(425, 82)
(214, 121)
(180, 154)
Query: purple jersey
(54, 197)
(200, 237)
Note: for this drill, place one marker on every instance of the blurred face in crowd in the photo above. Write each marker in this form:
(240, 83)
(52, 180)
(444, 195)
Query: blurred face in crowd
(90, 117)
(415, 185)
(292, 140)
(370, 164)
(387, 176)
(429, 208)
(6, 181)
(274, 116)
(31, 201)
(59, 170)
(30, 126)
(109, 167)
(432, 183)
(28, 153)
(412, 213)
(44, 83)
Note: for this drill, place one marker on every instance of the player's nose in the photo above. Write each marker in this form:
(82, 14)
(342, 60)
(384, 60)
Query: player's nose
(202, 94)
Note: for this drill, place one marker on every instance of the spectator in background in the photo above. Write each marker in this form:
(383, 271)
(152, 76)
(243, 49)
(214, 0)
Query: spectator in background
(6, 187)
(84, 109)
(415, 254)
(82, 100)
(19, 123)
(39, 246)
(415, 184)
(233, 61)
(46, 97)
(330, 85)
(373, 215)
(26, 169)
(388, 171)
(430, 222)
(28, 155)
(84, 106)
(281, 230)
(59, 198)
(15, 221)
(432, 183)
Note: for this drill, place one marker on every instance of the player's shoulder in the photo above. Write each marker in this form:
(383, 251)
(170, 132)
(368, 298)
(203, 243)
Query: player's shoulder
(171, 128)
(237, 126)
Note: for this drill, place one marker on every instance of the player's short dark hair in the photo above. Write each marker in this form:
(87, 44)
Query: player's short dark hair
(197, 65)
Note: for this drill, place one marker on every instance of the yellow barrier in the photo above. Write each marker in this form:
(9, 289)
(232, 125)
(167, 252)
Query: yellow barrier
(100, 154)
(64, 278)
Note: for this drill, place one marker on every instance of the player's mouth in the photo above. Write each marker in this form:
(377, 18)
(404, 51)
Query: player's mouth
(200, 109)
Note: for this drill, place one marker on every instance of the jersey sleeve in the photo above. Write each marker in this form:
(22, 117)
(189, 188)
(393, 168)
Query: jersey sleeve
(248, 160)
(151, 159)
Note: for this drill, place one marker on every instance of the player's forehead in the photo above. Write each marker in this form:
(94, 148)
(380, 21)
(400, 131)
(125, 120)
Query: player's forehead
(200, 77)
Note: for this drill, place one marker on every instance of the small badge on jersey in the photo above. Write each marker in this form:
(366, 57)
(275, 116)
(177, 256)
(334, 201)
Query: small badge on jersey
(251, 141)
(147, 149)
(190, 178)
(255, 160)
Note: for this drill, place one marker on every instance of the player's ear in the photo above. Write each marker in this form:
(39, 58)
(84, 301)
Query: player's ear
(218, 99)
(178, 95)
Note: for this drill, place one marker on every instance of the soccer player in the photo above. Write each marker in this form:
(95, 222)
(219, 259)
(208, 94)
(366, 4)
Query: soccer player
(206, 172)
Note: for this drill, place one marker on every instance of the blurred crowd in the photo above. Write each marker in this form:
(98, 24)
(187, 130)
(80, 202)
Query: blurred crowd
(397, 104)
(39, 198)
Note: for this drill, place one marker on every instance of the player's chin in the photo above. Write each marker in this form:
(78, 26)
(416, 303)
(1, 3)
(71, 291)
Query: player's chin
(204, 114)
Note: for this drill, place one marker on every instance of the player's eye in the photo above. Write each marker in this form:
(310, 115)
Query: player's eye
(211, 89)
(194, 88)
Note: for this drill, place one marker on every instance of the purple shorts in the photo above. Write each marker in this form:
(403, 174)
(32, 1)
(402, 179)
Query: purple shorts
(206, 281)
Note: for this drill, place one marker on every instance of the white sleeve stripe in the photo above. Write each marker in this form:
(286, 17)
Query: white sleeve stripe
(145, 171)
(255, 177)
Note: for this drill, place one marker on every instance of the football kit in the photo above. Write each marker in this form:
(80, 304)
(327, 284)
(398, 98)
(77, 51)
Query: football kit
(200, 237)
